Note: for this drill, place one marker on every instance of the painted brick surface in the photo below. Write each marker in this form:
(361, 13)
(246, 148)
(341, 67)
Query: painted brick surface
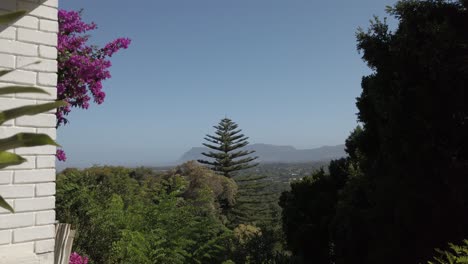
(29, 47)
(5, 237)
(45, 217)
(43, 246)
(34, 204)
(33, 233)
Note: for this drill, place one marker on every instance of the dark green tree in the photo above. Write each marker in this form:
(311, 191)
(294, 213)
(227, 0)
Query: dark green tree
(408, 192)
(308, 211)
(227, 143)
(414, 112)
(255, 203)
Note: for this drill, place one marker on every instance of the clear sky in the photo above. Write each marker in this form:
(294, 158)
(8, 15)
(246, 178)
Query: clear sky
(287, 71)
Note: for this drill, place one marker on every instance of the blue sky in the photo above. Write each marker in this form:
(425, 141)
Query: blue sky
(287, 72)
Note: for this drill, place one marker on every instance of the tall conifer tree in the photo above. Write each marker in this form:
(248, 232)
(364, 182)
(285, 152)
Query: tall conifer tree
(227, 143)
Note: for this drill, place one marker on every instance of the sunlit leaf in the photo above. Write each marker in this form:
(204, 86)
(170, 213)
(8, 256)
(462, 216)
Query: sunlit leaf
(10, 159)
(26, 140)
(21, 89)
(11, 17)
(29, 110)
(3, 72)
(5, 205)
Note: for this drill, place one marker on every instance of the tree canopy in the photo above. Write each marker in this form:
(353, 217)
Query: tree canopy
(403, 189)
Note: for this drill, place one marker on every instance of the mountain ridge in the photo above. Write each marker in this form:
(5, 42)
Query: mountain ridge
(278, 153)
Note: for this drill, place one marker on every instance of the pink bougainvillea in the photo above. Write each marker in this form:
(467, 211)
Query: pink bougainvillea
(75, 258)
(61, 155)
(81, 67)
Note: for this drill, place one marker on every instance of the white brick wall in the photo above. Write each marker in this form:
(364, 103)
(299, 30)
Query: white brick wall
(27, 236)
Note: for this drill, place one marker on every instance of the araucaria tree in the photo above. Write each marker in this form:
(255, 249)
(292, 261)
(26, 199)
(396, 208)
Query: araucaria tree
(227, 143)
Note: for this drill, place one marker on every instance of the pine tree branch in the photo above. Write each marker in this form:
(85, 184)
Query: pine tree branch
(238, 145)
(214, 138)
(237, 141)
(208, 162)
(243, 161)
(241, 154)
(231, 134)
(213, 147)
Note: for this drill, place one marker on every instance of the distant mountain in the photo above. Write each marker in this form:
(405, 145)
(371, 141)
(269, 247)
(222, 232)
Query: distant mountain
(272, 153)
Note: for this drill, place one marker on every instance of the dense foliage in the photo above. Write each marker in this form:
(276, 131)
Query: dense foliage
(137, 216)
(457, 254)
(403, 189)
(227, 144)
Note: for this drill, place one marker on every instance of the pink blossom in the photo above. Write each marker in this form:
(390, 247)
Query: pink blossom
(60, 154)
(81, 67)
(75, 258)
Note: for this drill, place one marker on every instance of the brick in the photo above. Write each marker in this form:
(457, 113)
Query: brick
(44, 162)
(39, 120)
(32, 176)
(47, 79)
(10, 131)
(40, 150)
(6, 177)
(16, 220)
(5, 237)
(48, 25)
(20, 257)
(28, 22)
(40, 11)
(43, 246)
(7, 61)
(39, 37)
(46, 258)
(48, 52)
(45, 217)
(7, 32)
(8, 103)
(51, 3)
(8, 123)
(19, 248)
(36, 64)
(34, 204)
(18, 48)
(44, 189)
(33, 233)
(19, 76)
(17, 191)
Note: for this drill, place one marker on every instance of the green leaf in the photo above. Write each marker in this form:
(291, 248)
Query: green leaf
(11, 17)
(5, 205)
(9, 159)
(3, 72)
(28, 110)
(21, 89)
(26, 140)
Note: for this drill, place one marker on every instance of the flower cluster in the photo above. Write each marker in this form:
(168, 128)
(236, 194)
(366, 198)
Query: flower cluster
(60, 154)
(81, 67)
(77, 259)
